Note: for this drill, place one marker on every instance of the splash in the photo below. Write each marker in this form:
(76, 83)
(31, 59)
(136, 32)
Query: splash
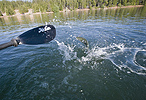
(67, 51)
(125, 61)
(102, 53)
(120, 56)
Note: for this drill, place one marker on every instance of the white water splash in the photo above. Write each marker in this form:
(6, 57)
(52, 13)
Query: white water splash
(125, 61)
(102, 53)
(121, 56)
(144, 44)
(67, 51)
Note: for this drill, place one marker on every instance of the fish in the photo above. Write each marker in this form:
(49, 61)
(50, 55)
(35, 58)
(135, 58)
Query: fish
(83, 40)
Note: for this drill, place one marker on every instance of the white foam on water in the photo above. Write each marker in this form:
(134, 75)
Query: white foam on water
(125, 61)
(67, 51)
(144, 43)
(143, 59)
(121, 56)
(102, 53)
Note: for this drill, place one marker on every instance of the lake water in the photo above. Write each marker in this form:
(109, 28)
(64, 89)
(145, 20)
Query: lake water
(113, 68)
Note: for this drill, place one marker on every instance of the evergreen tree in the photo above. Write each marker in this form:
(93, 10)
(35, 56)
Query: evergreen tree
(77, 5)
(99, 2)
(74, 4)
(61, 7)
(35, 7)
(124, 2)
(89, 3)
(106, 2)
(23, 9)
(134, 2)
(10, 11)
(110, 3)
(49, 7)
(90, 7)
(93, 3)
(115, 2)
(63, 3)
(3, 6)
(119, 1)
(55, 8)
(137, 2)
(80, 2)
(84, 4)
(1, 13)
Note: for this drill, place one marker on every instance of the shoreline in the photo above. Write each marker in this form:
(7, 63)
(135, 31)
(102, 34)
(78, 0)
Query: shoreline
(116, 7)
(125, 6)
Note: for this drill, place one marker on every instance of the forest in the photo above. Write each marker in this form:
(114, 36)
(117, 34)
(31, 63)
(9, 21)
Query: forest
(9, 7)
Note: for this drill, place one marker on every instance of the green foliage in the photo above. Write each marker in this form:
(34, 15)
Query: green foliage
(106, 3)
(58, 5)
(90, 7)
(134, 2)
(110, 4)
(55, 8)
(35, 7)
(115, 2)
(93, 3)
(102, 6)
(84, 5)
(49, 7)
(124, 2)
(1, 13)
(77, 5)
(22, 9)
(137, 2)
(2, 7)
(128, 3)
(119, 5)
(10, 11)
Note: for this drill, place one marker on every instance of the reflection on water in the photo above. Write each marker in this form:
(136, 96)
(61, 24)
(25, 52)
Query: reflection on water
(113, 68)
(104, 14)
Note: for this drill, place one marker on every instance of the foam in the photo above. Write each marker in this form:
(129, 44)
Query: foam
(122, 57)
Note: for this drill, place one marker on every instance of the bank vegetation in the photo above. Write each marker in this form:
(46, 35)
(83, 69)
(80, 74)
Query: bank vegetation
(8, 8)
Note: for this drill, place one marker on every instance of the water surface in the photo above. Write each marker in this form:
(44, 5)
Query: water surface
(113, 68)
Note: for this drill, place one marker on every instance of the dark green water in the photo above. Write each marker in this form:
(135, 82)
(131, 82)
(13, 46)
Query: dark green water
(113, 68)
